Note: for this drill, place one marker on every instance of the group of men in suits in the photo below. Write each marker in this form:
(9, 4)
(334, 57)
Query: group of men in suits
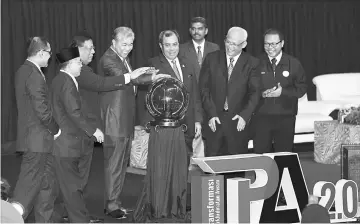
(57, 126)
(233, 97)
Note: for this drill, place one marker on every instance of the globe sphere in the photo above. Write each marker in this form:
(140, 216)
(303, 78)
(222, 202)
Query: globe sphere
(167, 101)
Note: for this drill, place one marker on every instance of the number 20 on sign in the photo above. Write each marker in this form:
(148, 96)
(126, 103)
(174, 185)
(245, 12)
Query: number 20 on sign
(345, 196)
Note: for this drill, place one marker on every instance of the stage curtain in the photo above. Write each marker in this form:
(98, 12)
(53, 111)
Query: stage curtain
(323, 34)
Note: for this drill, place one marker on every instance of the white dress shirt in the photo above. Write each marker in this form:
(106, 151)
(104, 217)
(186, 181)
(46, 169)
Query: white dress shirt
(202, 46)
(278, 58)
(235, 59)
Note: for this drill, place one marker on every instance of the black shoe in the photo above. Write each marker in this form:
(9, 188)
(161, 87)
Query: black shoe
(116, 214)
(65, 219)
(96, 220)
(126, 210)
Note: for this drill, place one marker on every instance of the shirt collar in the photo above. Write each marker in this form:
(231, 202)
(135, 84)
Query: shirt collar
(176, 60)
(235, 59)
(278, 58)
(112, 48)
(73, 78)
(202, 44)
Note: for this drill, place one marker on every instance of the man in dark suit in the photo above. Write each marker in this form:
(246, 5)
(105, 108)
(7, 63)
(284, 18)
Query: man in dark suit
(118, 115)
(229, 88)
(36, 127)
(68, 148)
(180, 68)
(197, 48)
(283, 82)
(89, 86)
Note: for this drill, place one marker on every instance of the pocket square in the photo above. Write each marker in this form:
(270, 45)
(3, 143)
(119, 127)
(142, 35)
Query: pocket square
(262, 73)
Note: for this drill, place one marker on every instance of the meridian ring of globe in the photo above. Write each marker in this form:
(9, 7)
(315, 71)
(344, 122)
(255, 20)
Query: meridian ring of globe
(167, 99)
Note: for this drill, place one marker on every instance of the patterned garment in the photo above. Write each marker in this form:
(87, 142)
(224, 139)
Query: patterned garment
(328, 138)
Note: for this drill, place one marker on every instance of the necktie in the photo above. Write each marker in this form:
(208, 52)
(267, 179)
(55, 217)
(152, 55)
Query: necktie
(230, 69)
(127, 66)
(199, 55)
(273, 64)
(174, 67)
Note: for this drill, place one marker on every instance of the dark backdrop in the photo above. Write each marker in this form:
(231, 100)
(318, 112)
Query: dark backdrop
(324, 35)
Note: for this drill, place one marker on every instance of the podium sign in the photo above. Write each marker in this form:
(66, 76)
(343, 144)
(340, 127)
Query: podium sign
(256, 202)
(207, 202)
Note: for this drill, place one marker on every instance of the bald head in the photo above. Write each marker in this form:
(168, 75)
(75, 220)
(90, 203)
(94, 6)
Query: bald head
(235, 41)
(237, 33)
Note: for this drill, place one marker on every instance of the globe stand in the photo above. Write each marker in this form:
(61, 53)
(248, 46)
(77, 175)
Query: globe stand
(165, 123)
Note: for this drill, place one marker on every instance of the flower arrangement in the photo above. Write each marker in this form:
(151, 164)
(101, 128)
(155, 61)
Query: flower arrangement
(353, 117)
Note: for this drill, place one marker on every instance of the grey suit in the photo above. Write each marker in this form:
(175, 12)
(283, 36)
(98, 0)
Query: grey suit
(118, 118)
(188, 51)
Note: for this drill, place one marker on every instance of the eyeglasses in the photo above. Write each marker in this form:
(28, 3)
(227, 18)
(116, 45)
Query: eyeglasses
(233, 44)
(90, 48)
(50, 53)
(272, 44)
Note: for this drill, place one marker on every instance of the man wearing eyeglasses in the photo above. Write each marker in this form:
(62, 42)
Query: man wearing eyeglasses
(90, 84)
(283, 81)
(36, 130)
(229, 88)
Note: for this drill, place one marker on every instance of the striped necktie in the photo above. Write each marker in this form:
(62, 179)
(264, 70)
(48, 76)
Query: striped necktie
(174, 67)
(199, 55)
(230, 69)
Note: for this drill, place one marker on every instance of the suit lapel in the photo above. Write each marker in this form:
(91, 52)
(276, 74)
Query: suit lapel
(238, 67)
(223, 65)
(236, 76)
(114, 54)
(185, 73)
(206, 49)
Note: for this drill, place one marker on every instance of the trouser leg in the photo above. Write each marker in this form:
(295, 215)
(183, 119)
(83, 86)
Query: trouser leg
(70, 183)
(116, 159)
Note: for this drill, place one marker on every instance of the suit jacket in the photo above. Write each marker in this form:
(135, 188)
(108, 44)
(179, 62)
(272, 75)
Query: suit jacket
(188, 51)
(36, 126)
(68, 113)
(90, 84)
(117, 107)
(194, 111)
(291, 76)
(242, 90)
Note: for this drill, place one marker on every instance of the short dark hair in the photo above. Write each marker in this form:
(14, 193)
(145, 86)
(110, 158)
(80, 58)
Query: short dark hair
(274, 32)
(168, 33)
(80, 38)
(198, 20)
(36, 44)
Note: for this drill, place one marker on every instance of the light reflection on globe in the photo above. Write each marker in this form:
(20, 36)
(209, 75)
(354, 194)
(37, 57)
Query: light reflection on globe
(167, 101)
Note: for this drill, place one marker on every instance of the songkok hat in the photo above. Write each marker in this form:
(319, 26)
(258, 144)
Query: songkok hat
(68, 53)
(83, 33)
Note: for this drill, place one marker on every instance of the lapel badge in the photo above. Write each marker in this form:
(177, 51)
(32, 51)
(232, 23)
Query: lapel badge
(262, 73)
(285, 73)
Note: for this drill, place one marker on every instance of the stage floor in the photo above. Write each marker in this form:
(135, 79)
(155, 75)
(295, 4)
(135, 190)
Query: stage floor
(10, 166)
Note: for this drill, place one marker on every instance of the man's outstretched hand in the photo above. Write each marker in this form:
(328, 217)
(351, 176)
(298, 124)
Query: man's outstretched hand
(150, 75)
